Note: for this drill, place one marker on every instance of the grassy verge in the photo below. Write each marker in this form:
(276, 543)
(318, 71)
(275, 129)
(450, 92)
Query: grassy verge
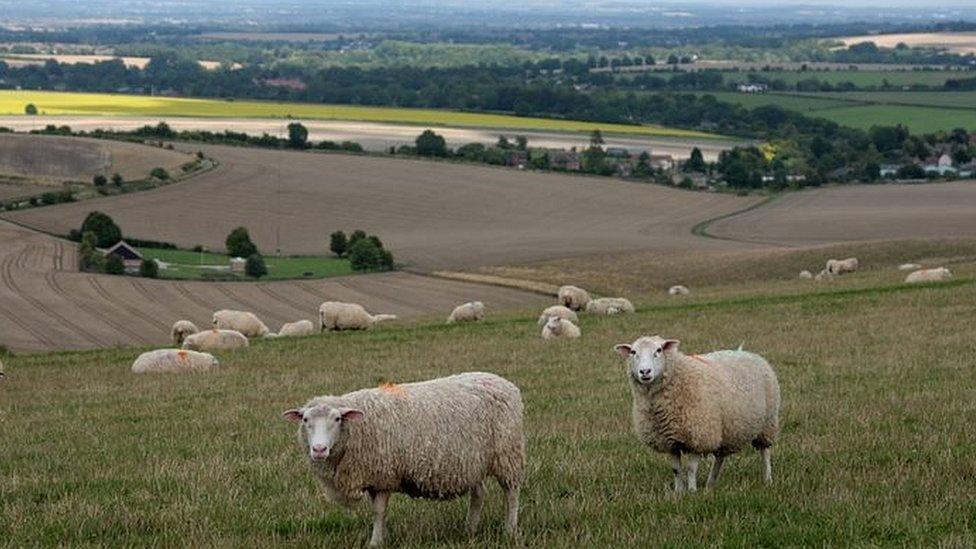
(189, 265)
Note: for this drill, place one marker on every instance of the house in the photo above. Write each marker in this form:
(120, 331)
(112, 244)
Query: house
(130, 256)
(753, 88)
(889, 170)
(663, 162)
(968, 169)
(698, 180)
(941, 165)
(237, 264)
(564, 160)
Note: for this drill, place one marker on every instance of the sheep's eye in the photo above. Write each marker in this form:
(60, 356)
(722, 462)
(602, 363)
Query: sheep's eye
(304, 420)
(633, 352)
(338, 419)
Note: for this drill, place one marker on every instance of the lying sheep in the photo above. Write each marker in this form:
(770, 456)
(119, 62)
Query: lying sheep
(573, 297)
(241, 321)
(336, 316)
(181, 329)
(940, 274)
(696, 405)
(559, 311)
(603, 306)
(824, 276)
(473, 311)
(436, 439)
(909, 267)
(297, 328)
(559, 328)
(842, 266)
(806, 275)
(678, 290)
(215, 340)
(174, 361)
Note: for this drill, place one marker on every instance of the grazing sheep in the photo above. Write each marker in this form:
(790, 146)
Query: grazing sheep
(603, 306)
(558, 311)
(174, 361)
(215, 340)
(573, 297)
(696, 405)
(241, 321)
(336, 316)
(909, 267)
(806, 275)
(436, 439)
(298, 328)
(824, 276)
(473, 311)
(940, 274)
(559, 328)
(181, 329)
(678, 290)
(842, 266)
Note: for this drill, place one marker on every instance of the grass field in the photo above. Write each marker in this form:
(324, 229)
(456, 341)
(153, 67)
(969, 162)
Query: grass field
(956, 99)
(187, 265)
(804, 103)
(58, 103)
(858, 78)
(876, 448)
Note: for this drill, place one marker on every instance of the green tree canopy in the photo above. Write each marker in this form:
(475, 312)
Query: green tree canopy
(239, 243)
(103, 228)
(429, 143)
(297, 136)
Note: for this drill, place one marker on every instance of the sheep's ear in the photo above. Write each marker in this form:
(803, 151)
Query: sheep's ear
(293, 415)
(670, 345)
(350, 414)
(623, 349)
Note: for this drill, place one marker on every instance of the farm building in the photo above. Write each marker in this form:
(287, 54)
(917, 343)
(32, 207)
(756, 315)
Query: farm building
(237, 264)
(130, 256)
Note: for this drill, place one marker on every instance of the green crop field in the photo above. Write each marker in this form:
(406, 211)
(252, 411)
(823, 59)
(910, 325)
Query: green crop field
(787, 101)
(92, 104)
(954, 100)
(188, 265)
(858, 78)
(917, 119)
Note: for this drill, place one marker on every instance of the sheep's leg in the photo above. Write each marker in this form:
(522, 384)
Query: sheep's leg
(379, 501)
(474, 509)
(766, 454)
(691, 470)
(715, 471)
(511, 520)
(676, 469)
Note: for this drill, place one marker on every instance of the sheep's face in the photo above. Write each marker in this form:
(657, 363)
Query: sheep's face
(321, 427)
(554, 324)
(647, 357)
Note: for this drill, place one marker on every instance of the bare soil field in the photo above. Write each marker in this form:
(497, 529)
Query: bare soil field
(858, 212)
(433, 215)
(45, 304)
(55, 158)
(22, 60)
(954, 42)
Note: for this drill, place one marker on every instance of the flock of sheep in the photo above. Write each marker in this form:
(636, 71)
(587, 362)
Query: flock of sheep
(837, 267)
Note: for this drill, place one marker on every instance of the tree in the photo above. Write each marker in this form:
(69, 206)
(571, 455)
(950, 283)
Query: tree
(429, 143)
(99, 181)
(297, 136)
(364, 255)
(255, 266)
(596, 138)
(30, 109)
(672, 59)
(696, 162)
(104, 229)
(521, 142)
(338, 243)
(117, 179)
(159, 173)
(356, 236)
(239, 243)
(114, 265)
(149, 268)
(89, 259)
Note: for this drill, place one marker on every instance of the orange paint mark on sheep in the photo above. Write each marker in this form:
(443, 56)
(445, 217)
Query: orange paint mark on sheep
(700, 359)
(392, 388)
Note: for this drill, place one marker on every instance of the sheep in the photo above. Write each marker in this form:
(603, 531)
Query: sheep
(174, 361)
(215, 340)
(603, 305)
(473, 311)
(558, 311)
(336, 315)
(842, 266)
(806, 275)
(909, 267)
(696, 405)
(559, 328)
(436, 439)
(824, 276)
(940, 274)
(573, 297)
(242, 321)
(181, 329)
(2, 375)
(678, 290)
(298, 328)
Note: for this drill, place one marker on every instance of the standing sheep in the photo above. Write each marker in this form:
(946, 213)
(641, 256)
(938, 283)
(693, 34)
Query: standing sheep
(696, 405)
(573, 297)
(436, 439)
(558, 311)
(181, 329)
(940, 274)
(559, 328)
(336, 316)
(174, 361)
(215, 340)
(473, 311)
(297, 328)
(678, 290)
(604, 306)
(241, 321)
(806, 275)
(842, 266)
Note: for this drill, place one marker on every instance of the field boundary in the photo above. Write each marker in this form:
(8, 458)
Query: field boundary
(542, 288)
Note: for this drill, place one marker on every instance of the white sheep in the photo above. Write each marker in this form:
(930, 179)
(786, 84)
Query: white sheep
(473, 311)
(215, 340)
(842, 266)
(2, 375)
(560, 311)
(604, 305)
(716, 403)
(559, 328)
(824, 276)
(436, 439)
(181, 329)
(241, 321)
(573, 297)
(909, 267)
(174, 361)
(297, 328)
(940, 274)
(806, 275)
(678, 290)
(336, 316)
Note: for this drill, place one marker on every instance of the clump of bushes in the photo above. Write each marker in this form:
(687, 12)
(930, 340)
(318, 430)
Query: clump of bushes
(255, 266)
(239, 243)
(365, 252)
